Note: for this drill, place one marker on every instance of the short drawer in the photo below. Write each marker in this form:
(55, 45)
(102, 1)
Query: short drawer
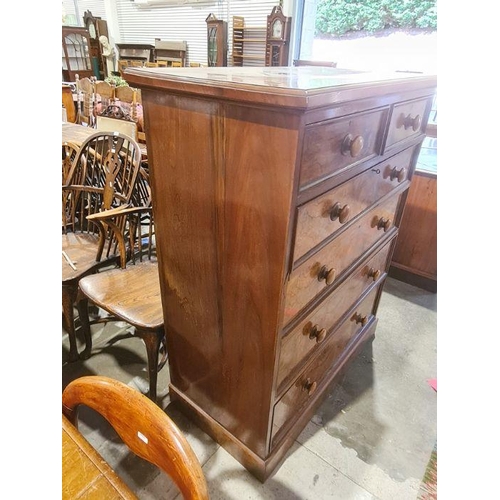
(318, 371)
(320, 271)
(322, 217)
(331, 146)
(406, 121)
(315, 328)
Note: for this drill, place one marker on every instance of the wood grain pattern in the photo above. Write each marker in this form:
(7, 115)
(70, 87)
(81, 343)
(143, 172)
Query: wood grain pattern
(343, 250)
(144, 427)
(416, 248)
(222, 290)
(314, 223)
(298, 394)
(400, 128)
(85, 474)
(297, 344)
(323, 154)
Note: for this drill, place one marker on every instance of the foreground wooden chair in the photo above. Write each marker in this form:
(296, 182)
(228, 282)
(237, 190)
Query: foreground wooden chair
(130, 293)
(144, 427)
(103, 176)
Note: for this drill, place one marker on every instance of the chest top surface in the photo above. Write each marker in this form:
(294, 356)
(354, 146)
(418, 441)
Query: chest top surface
(300, 87)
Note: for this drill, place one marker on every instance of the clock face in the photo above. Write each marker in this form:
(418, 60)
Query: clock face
(92, 32)
(277, 29)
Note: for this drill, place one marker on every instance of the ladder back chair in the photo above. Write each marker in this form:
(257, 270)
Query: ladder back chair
(103, 176)
(144, 428)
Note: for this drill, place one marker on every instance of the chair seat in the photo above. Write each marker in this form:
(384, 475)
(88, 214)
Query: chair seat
(132, 294)
(81, 248)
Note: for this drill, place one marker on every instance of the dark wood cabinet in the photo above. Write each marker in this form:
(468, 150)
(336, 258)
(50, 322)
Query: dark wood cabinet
(75, 53)
(278, 193)
(216, 41)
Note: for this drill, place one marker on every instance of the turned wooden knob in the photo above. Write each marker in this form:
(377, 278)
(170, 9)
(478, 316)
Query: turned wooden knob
(413, 122)
(400, 174)
(317, 334)
(384, 224)
(326, 274)
(360, 319)
(352, 146)
(340, 213)
(310, 387)
(375, 274)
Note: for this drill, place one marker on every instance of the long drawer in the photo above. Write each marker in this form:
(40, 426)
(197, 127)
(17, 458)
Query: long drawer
(315, 328)
(334, 145)
(318, 370)
(322, 217)
(320, 271)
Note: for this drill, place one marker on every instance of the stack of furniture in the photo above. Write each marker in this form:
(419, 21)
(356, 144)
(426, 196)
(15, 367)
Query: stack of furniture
(276, 212)
(171, 52)
(103, 177)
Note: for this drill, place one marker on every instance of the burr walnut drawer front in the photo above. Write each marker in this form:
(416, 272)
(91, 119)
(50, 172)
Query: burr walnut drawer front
(323, 216)
(315, 328)
(333, 145)
(317, 371)
(406, 120)
(321, 270)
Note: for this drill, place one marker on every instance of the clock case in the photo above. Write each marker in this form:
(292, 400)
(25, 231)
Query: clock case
(278, 44)
(96, 28)
(216, 41)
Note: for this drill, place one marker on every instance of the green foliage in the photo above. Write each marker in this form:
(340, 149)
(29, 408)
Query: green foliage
(117, 81)
(338, 17)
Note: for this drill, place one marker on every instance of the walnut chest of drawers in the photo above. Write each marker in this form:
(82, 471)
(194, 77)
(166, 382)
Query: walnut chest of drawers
(277, 194)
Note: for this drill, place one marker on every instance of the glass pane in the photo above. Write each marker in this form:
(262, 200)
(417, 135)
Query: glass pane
(427, 159)
(212, 46)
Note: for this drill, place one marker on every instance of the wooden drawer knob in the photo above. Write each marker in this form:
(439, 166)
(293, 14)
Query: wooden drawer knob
(352, 146)
(326, 274)
(384, 224)
(400, 174)
(360, 319)
(317, 334)
(375, 274)
(310, 387)
(340, 213)
(412, 122)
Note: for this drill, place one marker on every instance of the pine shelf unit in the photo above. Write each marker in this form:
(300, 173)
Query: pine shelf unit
(248, 44)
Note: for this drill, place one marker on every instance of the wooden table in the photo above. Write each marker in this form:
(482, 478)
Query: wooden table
(85, 474)
(72, 132)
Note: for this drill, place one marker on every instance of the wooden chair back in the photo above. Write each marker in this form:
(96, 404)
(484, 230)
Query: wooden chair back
(69, 152)
(115, 119)
(144, 427)
(103, 176)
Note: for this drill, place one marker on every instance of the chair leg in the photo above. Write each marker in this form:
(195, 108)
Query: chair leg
(152, 340)
(68, 301)
(83, 312)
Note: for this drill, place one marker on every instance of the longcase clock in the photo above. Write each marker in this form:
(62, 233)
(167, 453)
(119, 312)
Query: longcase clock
(216, 41)
(278, 38)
